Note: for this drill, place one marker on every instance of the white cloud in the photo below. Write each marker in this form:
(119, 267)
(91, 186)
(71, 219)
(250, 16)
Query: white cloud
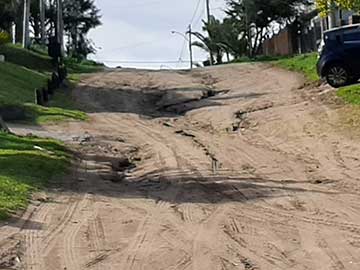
(140, 31)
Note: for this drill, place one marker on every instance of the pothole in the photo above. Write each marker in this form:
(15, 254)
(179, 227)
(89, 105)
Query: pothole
(108, 157)
(242, 121)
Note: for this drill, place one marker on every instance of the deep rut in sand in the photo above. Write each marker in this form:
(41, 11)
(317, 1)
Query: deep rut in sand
(232, 167)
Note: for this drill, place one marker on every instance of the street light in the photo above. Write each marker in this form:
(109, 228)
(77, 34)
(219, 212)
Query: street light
(188, 40)
(181, 34)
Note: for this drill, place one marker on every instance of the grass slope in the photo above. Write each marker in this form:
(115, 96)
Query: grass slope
(350, 94)
(30, 59)
(26, 71)
(27, 164)
(85, 66)
(305, 63)
(17, 83)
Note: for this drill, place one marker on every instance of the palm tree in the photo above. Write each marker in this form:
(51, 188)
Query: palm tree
(235, 37)
(213, 42)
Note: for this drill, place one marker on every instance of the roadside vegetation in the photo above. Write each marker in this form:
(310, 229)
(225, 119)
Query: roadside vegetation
(82, 66)
(305, 63)
(19, 78)
(27, 164)
(350, 94)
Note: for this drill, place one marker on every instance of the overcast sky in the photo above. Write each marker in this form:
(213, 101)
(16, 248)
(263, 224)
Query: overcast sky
(140, 31)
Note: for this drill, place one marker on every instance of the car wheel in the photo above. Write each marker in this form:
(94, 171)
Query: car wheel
(337, 76)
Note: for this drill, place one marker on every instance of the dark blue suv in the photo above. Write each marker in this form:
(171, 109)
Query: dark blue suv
(339, 61)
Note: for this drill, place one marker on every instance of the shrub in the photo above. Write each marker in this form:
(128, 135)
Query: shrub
(4, 38)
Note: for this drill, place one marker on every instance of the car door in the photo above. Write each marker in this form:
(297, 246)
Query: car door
(351, 43)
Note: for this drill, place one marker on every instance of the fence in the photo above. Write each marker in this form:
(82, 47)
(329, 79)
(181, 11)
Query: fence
(280, 44)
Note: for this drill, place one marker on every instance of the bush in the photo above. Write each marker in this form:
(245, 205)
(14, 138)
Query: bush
(4, 38)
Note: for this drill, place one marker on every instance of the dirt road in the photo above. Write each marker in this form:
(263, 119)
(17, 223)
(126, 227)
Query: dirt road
(233, 167)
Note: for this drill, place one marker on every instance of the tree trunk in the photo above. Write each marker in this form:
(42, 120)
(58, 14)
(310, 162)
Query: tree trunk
(42, 22)
(19, 23)
(26, 27)
(60, 25)
(74, 38)
(218, 58)
(36, 27)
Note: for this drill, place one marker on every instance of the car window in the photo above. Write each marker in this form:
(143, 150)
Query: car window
(331, 36)
(352, 35)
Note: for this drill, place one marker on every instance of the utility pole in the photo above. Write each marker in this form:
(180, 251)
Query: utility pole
(190, 48)
(26, 26)
(208, 10)
(208, 14)
(42, 22)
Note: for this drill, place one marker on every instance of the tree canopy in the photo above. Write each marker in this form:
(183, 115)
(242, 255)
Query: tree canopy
(247, 24)
(7, 13)
(80, 16)
(325, 6)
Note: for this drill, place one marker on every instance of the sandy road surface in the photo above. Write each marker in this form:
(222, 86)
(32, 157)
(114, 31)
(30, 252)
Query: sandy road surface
(232, 167)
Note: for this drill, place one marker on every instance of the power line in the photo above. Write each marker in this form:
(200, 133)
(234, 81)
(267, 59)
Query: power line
(218, 8)
(195, 12)
(136, 5)
(182, 50)
(135, 45)
(146, 62)
(191, 21)
(199, 18)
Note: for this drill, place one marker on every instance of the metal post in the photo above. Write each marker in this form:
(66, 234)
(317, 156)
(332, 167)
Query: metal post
(208, 14)
(190, 48)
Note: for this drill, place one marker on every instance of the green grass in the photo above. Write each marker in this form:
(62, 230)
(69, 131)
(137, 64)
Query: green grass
(85, 66)
(305, 63)
(260, 58)
(350, 94)
(42, 115)
(27, 58)
(26, 71)
(17, 90)
(27, 164)
(18, 83)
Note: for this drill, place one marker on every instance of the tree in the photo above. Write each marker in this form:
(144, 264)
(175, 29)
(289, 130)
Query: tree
(7, 13)
(325, 6)
(256, 17)
(233, 39)
(211, 43)
(80, 17)
(26, 34)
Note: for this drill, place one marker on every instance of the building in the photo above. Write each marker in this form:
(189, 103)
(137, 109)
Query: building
(305, 33)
